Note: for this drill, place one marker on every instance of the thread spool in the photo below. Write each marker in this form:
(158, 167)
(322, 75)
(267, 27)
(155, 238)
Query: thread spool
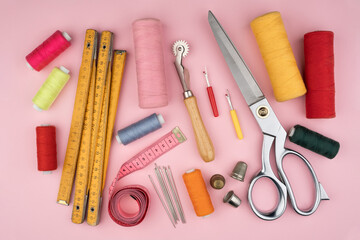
(46, 148)
(149, 60)
(198, 193)
(140, 194)
(314, 141)
(47, 51)
(278, 56)
(139, 129)
(51, 88)
(319, 74)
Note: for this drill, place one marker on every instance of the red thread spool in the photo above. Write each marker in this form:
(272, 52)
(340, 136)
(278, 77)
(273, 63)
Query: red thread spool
(319, 74)
(48, 50)
(46, 148)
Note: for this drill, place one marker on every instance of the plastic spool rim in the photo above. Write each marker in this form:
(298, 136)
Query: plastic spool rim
(66, 36)
(161, 119)
(292, 131)
(64, 69)
(29, 66)
(118, 139)
(37, 108)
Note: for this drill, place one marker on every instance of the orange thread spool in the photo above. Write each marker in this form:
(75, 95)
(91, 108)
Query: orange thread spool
(198, 193)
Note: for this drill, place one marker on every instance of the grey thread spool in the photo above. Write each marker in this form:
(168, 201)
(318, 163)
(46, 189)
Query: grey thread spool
(140, 129)
(239, 171)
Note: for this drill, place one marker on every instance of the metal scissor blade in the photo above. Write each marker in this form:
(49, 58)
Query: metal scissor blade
(242, 75)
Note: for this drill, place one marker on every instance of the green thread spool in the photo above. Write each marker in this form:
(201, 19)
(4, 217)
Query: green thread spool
(314, 141)
(51, 88)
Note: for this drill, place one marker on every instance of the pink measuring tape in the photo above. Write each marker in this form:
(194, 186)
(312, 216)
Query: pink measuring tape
(139, 193)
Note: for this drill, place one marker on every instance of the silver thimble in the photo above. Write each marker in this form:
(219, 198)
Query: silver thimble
(232, 199)
(239, 171)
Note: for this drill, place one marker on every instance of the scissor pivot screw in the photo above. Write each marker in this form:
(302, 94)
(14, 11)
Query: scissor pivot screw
(262, 112)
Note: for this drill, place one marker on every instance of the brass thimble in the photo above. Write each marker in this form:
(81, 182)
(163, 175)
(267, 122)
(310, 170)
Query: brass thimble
(217, 181)
(239, 171)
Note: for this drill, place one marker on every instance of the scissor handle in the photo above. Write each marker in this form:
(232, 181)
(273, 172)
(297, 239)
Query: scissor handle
(281, 204)
(266, 172)
(319, 190)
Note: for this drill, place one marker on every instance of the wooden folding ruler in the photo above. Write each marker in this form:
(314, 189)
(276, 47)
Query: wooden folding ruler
(81, 178)
(81, 98)
(101, 105)
(119, 58)
(92, 127)
(104, 138)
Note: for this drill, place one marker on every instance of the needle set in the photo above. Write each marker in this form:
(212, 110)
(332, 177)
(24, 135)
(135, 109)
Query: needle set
(96, 103)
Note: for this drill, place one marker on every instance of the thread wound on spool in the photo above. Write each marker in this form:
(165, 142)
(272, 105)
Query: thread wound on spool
(46, 148)
(48, 50)
(314, 141)
(51, 88)
(278, 56)
(140, 194)
(319, 74)
(139, 129)
(198, 193)
(149, 60)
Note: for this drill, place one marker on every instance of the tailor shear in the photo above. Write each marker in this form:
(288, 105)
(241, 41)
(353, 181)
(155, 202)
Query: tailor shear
(271, 128)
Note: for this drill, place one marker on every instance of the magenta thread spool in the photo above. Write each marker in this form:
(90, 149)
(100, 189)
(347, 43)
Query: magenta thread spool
(48, 50)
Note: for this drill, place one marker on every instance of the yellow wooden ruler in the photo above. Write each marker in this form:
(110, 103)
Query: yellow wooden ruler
(82, 93)
(101, 105)
(117, 74)
(104, 58)
(93, 212)
(81, 178)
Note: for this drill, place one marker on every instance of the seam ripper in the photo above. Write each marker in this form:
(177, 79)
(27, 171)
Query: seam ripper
(211, 95)
(203, 141)
(234, 116)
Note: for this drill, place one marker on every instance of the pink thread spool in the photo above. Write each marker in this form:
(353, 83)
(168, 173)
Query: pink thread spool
(149, 59)
(48, 50)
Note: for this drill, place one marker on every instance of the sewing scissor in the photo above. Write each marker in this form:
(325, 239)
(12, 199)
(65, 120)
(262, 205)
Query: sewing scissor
(271, 128)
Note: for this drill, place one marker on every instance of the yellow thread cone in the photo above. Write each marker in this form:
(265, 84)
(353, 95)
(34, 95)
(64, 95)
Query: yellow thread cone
(278, 56)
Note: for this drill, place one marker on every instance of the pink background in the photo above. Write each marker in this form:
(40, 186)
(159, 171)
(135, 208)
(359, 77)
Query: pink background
(28, 198)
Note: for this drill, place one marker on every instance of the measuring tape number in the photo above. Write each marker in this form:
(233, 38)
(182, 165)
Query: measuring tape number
(148, 155)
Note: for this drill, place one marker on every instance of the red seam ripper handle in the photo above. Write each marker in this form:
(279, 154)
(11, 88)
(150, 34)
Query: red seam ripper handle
(212, 101)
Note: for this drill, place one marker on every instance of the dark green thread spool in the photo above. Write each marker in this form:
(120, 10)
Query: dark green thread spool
(314, 141)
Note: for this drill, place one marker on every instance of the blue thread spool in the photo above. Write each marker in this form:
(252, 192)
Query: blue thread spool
(140, 129)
